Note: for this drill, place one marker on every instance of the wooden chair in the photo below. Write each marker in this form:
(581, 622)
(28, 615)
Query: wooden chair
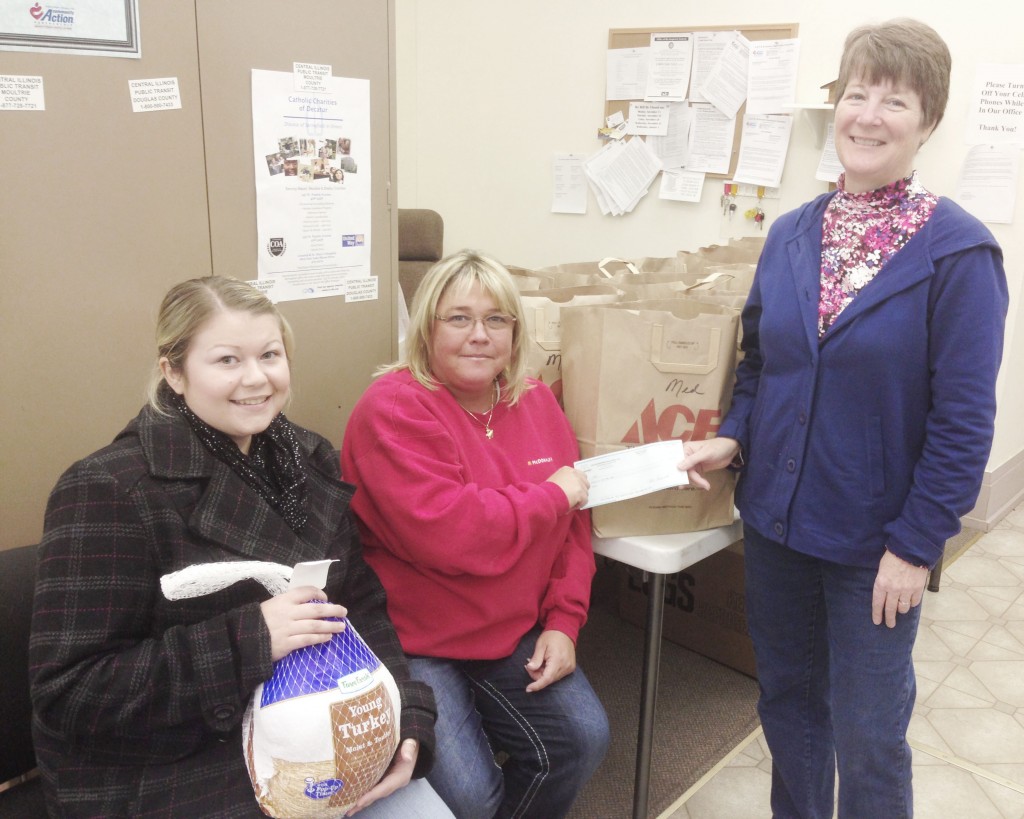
(420, 242)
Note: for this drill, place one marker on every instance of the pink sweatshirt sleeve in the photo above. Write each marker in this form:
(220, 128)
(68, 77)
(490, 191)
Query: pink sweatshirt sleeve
(567, 597)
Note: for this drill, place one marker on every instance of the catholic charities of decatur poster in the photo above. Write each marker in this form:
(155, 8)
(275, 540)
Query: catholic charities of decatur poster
(312, 155)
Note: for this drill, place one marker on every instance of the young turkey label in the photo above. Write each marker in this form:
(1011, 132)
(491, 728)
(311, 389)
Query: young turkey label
(322, 730)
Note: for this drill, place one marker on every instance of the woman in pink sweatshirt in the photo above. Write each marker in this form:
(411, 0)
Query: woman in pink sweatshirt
(469, 507)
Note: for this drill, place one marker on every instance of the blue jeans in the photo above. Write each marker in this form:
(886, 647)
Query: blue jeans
(554, 738)
(837, 691)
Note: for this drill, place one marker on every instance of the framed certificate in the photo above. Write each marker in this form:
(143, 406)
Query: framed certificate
(99, 28)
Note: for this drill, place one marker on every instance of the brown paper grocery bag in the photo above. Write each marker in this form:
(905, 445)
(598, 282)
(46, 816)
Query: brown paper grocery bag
(580, 274)
(736, 277)
(611, 270)
(541, 311)
(733, 278)
(748, 249)
(527, 280)
(660, 264)
(640, 373)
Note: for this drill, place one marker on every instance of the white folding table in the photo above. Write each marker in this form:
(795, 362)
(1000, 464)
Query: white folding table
(659, 555)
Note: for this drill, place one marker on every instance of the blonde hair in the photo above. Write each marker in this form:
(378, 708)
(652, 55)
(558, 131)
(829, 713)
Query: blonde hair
(905, 52)
(457, 274)
(188, 306)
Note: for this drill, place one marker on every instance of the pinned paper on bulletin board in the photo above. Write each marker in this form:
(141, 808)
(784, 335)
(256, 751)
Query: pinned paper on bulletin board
(668, 67)
(763, 149)
(621, 173)
(629, 57)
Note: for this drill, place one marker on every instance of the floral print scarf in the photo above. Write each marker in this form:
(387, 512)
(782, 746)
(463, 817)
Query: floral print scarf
(861, 232)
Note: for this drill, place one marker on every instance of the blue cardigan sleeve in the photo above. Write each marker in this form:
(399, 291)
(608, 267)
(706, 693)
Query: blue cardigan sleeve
(967, 310)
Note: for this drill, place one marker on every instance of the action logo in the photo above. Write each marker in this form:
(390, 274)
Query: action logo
(52, 16)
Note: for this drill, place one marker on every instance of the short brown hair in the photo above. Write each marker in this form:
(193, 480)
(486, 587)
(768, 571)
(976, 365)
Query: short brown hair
(189, 305)
(905, 52)
(457, 273)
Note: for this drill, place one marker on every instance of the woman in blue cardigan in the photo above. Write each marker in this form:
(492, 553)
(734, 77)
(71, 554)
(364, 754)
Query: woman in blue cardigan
(861, 425)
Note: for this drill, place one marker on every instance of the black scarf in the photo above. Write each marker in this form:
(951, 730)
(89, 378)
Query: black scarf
(274, 466)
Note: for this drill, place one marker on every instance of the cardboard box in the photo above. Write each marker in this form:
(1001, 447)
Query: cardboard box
(705, 609)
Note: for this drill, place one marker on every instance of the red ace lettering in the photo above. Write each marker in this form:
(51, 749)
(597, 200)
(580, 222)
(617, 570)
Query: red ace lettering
(675, 421)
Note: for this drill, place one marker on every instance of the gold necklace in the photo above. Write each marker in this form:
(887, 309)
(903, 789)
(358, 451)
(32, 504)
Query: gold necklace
(488, 432)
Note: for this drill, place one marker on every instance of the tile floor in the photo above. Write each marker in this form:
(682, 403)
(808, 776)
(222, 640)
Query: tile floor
(967, 732)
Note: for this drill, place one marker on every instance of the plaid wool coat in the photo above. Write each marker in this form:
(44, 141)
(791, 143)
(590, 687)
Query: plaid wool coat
(138, 700)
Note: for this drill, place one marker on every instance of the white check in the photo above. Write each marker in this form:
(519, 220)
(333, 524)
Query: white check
(633, 472)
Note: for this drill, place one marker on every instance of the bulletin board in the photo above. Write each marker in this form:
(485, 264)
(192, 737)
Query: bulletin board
(641, 37)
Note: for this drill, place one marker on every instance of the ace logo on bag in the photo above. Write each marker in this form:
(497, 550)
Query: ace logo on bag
(639, 373)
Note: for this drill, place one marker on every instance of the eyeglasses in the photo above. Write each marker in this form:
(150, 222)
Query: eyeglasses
(494, 323)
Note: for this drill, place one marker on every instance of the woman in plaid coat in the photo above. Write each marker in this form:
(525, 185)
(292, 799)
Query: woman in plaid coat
(139, 699)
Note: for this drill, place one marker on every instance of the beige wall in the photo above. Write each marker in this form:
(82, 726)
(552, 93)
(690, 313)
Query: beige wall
(488, 92)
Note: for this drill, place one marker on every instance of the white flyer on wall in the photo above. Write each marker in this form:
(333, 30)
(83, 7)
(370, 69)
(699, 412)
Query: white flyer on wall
(987, 187)
(312, 170)
(996, 113)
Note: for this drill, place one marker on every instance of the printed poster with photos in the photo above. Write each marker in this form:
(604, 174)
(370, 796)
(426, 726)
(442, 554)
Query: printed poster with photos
(312, 155)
